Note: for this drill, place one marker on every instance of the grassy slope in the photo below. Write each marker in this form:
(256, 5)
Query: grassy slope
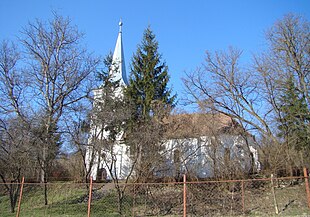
(64, 200)
(69, 199)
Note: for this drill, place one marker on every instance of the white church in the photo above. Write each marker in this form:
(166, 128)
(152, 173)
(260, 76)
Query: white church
(197, 144)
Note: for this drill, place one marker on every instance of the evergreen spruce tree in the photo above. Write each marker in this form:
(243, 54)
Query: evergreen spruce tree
(148, 83)
(294, 121)
(152, 101)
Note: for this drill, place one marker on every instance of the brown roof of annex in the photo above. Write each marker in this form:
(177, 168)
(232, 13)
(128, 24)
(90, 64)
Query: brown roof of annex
(194, 125)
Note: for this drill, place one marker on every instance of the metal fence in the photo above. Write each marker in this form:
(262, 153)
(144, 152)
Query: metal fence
(286, 196)
(260, 197)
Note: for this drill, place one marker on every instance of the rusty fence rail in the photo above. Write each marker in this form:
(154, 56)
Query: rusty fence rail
(287, 196)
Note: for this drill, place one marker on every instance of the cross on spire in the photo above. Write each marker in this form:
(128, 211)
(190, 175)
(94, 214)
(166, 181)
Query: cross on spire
(120, 25)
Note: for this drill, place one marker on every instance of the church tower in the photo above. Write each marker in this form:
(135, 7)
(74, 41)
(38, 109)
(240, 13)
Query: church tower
(120, 158)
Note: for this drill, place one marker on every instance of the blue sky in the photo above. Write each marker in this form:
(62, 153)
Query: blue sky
(184, 29)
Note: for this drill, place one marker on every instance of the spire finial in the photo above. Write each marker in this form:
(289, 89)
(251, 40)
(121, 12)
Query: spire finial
(120, 25)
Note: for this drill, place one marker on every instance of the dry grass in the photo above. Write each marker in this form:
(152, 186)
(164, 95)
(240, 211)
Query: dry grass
(253, 198)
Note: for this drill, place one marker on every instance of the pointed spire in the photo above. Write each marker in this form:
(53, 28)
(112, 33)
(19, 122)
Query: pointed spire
(120, 25)
(119, 60)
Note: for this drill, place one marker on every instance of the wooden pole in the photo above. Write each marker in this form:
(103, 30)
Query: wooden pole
(90, 195)
(20, 196)
(274, 195)
(307, 185)
(134, 200)
(243, 204)
(184, 195)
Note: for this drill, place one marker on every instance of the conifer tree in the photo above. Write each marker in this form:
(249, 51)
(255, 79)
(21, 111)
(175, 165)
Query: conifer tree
(295, 117)
(152, 101)
(148, 83)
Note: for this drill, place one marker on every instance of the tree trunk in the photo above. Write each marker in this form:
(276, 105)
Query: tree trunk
(13, 192)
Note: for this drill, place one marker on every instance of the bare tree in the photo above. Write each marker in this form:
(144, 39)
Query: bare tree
(147, 148)
(250, 94)
(289, 52)
(77, 124)
(56, 74)
(222, 85)
(287, 59)
(59, 69)
(11, 135)
(15, 156)
(11, 82)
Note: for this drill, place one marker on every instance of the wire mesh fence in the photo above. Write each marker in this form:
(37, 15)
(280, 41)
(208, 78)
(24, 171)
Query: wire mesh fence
(255, 197)
(289, 197)
(158, 199)
(247, 197)
(62, 199)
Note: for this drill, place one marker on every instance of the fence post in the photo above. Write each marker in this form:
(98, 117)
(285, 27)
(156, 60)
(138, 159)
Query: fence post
(89, 196)
(242, 189)
(307, 185)
(184, 195)
(20, 196)
(134, 200)
(274, 195)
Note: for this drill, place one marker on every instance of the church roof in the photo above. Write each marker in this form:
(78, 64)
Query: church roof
(196, 125)
(118, 62)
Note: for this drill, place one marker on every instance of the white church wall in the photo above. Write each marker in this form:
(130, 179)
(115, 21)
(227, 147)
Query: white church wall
(195, 154)
(101, 154)
(195, 157)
